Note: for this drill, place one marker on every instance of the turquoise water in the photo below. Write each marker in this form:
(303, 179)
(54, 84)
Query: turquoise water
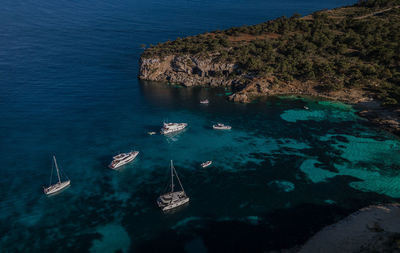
(69, 88)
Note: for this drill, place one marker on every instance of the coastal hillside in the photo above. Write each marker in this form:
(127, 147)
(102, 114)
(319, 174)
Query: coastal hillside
(350, 53)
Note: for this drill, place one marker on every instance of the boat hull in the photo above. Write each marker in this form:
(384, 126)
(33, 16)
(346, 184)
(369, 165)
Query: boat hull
(172, 200)
(174, 130)
(123, 162)
(222, 128)
(56, 187)
(176, 204)
(206, 164)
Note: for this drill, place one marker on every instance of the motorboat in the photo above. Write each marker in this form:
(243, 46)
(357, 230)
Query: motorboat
(122, 159)
(220, 126)
(172, 127)
(206, 164)
(205, 101)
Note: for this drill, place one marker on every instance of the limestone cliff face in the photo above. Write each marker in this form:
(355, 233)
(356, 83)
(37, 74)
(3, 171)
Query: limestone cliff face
(190, 70)
(194, 71)
(186, 70)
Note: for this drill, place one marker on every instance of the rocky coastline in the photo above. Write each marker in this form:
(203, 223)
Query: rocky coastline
(191, 71)
(370, 229)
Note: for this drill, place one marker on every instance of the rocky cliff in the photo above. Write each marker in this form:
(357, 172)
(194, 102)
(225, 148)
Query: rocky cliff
(186, 70)
(327, 54)
(195, 71)
(190, 71)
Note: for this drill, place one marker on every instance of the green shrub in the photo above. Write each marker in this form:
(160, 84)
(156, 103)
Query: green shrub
(328, 49)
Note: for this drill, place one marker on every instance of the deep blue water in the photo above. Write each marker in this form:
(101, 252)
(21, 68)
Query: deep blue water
(68, 87)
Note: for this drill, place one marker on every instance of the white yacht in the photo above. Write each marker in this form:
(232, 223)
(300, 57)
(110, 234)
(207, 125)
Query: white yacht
(206, 164)
(172, 127)
(122, 159)
(205, 101)
(54, 188)
(220, 126)
(173, 199)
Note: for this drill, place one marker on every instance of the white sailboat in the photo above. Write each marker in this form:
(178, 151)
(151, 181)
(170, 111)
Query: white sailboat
(173, 199)
(53, 188)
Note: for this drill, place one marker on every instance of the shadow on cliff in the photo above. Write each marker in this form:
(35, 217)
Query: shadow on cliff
(162, 94)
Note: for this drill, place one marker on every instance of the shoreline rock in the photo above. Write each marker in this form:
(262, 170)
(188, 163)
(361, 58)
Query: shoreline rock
(194, 71)
(186, 70)
(370, 229)
(385, 118)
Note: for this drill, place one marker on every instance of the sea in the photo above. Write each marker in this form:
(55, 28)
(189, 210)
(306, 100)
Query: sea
(69, 88)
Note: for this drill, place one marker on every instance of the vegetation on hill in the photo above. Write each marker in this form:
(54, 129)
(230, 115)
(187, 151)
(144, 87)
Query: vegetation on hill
(350, 47)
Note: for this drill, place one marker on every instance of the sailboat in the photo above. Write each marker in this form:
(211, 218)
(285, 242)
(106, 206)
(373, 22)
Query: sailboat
(53, 188)
(173, 199)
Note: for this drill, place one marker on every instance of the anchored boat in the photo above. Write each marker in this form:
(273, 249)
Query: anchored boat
(205, 101)
(122, 159)
(220, 126)
(172, 127)
(173, 199)
(206, 164)
(54, 188)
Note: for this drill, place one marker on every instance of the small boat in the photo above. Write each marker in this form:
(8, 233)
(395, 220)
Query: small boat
(54, 188)
(306, 108)
(206, 164)
(220, 126)
(122, 159)
(173, 199)
(151, 133)
(172, 127)
(205, 101)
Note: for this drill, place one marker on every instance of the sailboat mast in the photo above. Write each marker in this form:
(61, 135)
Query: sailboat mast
(179, 181)
(172, 177)
(58, 172)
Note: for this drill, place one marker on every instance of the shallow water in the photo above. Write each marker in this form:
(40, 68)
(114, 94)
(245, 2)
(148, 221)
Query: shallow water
(69, 88)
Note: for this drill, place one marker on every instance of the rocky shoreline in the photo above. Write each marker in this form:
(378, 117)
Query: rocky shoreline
(186, 70)
(371, 229)
(330, 54)
(385, 118)
(191, 71)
